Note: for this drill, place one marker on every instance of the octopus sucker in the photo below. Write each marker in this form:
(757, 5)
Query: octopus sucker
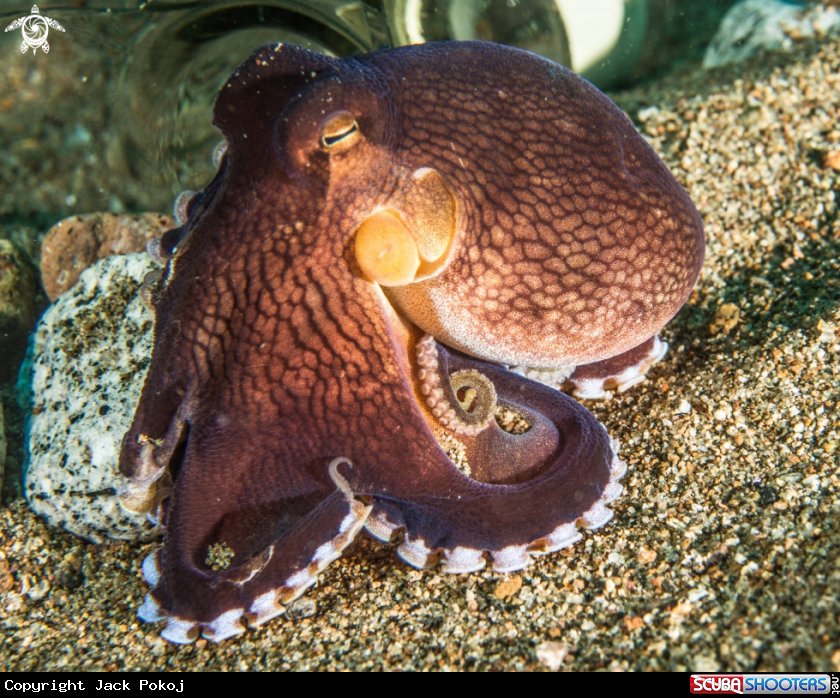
(218, 153)
(620, 373)
(345, 293)
(183, 632)
(264, 608)
(417, 554)
(270, 603)
(150, 569)
(229, 624)
(180, 209)
(466, 415)
(147, 289)
(380, 528)
(461, 560)
(155, 252)
(138, 494)
(151, 611)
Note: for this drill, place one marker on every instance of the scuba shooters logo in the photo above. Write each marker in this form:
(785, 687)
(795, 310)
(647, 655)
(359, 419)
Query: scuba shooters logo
(35, 28)
(755, 684)
(717, 683)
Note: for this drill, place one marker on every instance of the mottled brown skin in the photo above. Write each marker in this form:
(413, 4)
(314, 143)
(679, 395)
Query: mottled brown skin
(274, 354)
(571, 223)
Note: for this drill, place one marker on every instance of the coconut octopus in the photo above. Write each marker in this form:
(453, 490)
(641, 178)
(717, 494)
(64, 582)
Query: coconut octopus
(393, 246)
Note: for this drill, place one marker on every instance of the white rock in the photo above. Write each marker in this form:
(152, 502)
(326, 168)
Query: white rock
(754, 25)
(552, 654)
(90, 354)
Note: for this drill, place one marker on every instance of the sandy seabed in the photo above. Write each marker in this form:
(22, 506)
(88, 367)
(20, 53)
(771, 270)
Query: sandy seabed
(724, 553)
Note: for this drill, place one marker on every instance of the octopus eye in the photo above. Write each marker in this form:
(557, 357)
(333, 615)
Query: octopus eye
(339, 132)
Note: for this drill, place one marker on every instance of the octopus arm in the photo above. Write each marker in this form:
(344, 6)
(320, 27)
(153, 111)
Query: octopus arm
(527, 494)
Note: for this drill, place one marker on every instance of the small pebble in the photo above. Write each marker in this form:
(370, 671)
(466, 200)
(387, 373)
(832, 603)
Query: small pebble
(725, 319)
(508, 587)
(552, 654)
(832, 159)
(684, 407)
(646, 556)
(69, 574)
(302, 607)
(472, 604)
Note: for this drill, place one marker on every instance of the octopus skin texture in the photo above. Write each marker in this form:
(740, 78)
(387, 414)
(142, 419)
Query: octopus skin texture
(391, 245)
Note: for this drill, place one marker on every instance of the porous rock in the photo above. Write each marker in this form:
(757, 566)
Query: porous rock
(21, 300)
(87, 364)
(75, 243)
